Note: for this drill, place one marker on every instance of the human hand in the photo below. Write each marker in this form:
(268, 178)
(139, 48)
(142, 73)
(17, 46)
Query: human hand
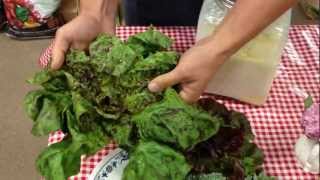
(78, 34)
(193, 72)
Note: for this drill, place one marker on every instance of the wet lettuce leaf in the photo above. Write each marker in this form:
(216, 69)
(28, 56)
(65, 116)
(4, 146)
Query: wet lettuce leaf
(260, 176)
(99, 48)
(123, 132)
(76, 56)
(93, 97)
(60, 160)
(51, 80)
(174, 122)
(212, 176)
(230, 151)
(219, 176)
(46, 110)
(138, 101)
(149, 42)
(102, 96)
(152, 161)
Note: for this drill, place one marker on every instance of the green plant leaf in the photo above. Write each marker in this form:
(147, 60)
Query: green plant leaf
(153, 161)
(308, 102)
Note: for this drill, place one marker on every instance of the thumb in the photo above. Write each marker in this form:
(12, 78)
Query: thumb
(60, 48)
(163, 81)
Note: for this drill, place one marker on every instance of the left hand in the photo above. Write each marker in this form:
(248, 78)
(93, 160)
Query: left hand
(193, 72)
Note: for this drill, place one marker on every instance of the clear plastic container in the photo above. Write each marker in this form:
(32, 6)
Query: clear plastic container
(248, 74)
(307, 152)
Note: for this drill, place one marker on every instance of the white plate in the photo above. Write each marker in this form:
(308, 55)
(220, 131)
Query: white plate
(111, 166)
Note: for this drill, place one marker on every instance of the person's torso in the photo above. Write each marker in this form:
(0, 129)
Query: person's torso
(162, 12)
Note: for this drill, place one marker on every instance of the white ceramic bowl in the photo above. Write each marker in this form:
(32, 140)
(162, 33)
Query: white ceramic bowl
(111, 166)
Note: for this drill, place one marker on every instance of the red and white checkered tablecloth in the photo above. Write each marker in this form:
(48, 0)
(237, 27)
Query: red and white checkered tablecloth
(276, 124)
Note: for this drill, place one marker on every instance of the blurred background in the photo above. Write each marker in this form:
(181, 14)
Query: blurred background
(21, 41)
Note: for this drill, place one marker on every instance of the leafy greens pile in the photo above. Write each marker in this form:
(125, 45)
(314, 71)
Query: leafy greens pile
(103, 96)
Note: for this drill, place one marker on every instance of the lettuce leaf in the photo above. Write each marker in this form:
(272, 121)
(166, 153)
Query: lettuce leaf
(152, 161)
(46, 110)
(174, 122)
(102, 95)
(230, 151)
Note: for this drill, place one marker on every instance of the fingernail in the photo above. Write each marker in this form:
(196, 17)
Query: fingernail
(154, 87)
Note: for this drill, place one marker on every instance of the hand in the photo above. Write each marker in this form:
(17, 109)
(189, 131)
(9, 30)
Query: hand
(193, 72)
(78, 34)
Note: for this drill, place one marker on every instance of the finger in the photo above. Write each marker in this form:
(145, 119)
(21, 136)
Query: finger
(191, 91)
(163, 81)
(79, 46)
(190, 96)
(60, 48)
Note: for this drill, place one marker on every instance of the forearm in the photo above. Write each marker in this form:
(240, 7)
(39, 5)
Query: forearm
(245, 21)
(103, 11)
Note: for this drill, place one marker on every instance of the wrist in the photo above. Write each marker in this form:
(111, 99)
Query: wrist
(218, 52)
(105, 23)
(221, 45)
(102, 12)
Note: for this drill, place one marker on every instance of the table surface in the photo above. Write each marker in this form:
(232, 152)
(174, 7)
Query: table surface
(275, 124)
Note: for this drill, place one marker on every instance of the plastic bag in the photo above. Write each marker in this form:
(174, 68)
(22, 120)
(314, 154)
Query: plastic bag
(307, 153)
(248, 74)
(32, 18)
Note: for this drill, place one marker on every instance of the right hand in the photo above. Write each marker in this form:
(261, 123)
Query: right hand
(78, 34)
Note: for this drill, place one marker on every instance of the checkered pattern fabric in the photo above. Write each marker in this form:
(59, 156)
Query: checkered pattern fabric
(277, 123)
